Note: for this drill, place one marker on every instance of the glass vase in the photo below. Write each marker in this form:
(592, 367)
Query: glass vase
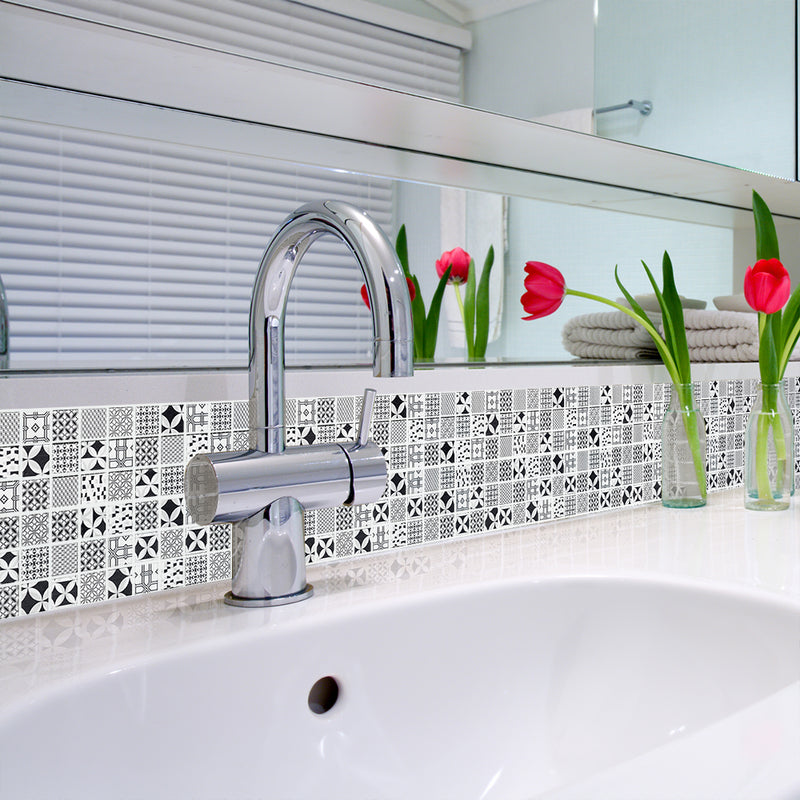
(683, 451)
(769, 451)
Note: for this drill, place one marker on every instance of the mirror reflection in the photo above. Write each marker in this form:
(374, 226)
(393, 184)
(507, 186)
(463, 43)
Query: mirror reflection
(127, 242)
(695, 70)
(703, 66)
(123, 252)
(719, 76)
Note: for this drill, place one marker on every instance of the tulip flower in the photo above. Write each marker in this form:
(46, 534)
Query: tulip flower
(474, 307)
(425, 322)
(767, 286)
(412, 291)
(767, 290)
(544, 289)
(458, 260)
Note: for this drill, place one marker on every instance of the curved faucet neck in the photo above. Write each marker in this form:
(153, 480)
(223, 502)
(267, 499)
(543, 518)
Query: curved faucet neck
(389, 303)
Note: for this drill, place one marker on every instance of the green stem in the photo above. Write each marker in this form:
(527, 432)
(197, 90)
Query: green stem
(686, 400)
(762, 474)
(769, 419)
(470, 354)
(780, 449)
(666, 356)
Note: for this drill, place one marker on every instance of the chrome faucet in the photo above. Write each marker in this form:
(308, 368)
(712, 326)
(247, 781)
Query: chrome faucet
(264, 490)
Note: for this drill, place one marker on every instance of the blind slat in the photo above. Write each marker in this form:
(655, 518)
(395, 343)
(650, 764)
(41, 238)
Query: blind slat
(292, 34)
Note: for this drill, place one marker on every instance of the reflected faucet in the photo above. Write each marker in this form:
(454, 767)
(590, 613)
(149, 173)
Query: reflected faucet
(264, 490)
(3, 326)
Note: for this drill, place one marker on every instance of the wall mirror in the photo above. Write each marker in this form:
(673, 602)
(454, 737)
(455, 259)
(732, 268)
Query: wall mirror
(694, 69)
(133, 230)
(699, 64)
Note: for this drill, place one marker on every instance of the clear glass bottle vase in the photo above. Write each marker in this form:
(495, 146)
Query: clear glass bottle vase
(769, 451)
(683, 451)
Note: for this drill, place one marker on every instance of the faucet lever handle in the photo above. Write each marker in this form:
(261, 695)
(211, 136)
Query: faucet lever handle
(366, 417)
(368, 470)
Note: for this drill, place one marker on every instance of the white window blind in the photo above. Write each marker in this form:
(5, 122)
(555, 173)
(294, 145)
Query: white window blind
(289, 33)
(112, 244)
(115, 248)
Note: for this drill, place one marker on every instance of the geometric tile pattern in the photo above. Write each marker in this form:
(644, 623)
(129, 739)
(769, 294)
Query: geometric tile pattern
(91, 499)
(91, 503)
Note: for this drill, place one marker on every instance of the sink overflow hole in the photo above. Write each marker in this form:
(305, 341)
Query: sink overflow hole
(323, 695)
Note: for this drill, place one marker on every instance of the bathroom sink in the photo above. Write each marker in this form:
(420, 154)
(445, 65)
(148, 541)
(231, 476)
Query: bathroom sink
(559, 688)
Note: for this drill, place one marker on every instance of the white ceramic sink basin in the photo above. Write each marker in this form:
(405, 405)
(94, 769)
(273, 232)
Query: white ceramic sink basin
(565, 687)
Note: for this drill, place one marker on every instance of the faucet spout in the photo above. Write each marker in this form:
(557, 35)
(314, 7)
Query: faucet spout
(264, 490)
(386, 287)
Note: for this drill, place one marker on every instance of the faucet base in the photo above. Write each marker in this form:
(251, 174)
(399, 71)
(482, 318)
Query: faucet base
(262, 602)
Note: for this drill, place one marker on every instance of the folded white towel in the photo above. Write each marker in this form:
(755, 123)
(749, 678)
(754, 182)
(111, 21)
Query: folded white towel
(721, 335)
(712, 336)
(607, 334)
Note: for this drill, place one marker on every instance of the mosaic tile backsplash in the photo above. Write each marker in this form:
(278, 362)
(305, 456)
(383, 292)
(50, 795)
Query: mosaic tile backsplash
(91, 499)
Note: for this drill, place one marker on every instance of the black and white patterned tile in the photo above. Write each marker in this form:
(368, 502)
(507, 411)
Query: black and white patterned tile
(91, 500)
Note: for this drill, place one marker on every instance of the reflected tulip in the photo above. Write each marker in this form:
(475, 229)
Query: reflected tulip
(459, 260)
(767, 286)
(412, 292)
(545, 289)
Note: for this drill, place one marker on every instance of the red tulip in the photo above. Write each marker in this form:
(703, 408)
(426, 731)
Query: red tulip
(459, 260)
(411, 291)
(767, 286)
(545, 289)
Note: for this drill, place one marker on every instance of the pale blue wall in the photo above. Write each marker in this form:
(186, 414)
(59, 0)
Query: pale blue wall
(720, 75)
(586, 244)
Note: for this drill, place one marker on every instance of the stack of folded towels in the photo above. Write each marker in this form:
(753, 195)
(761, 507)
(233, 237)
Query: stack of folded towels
(711, 335)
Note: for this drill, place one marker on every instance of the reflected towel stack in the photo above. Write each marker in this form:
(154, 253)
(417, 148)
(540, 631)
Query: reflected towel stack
(608, 335)
(712, 336)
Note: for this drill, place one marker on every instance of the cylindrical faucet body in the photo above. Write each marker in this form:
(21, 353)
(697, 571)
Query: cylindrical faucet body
(228, 487)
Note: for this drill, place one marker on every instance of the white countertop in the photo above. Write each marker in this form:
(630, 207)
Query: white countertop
(721, 544)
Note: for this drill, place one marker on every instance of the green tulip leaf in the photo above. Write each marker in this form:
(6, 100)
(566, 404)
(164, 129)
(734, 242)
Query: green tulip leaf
(469, 310)
(660, 344)
(666, 322)
(674, 310)
(432, 322)
(790, 331)
(482, 307)
(401, 248)
(417, 304)
(629, 297)
(418, 319)
(766, 236)
(791, 312)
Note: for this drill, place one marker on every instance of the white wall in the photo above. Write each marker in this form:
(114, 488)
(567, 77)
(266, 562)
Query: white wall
(418, 7)
(533, 61)
(419, 207)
